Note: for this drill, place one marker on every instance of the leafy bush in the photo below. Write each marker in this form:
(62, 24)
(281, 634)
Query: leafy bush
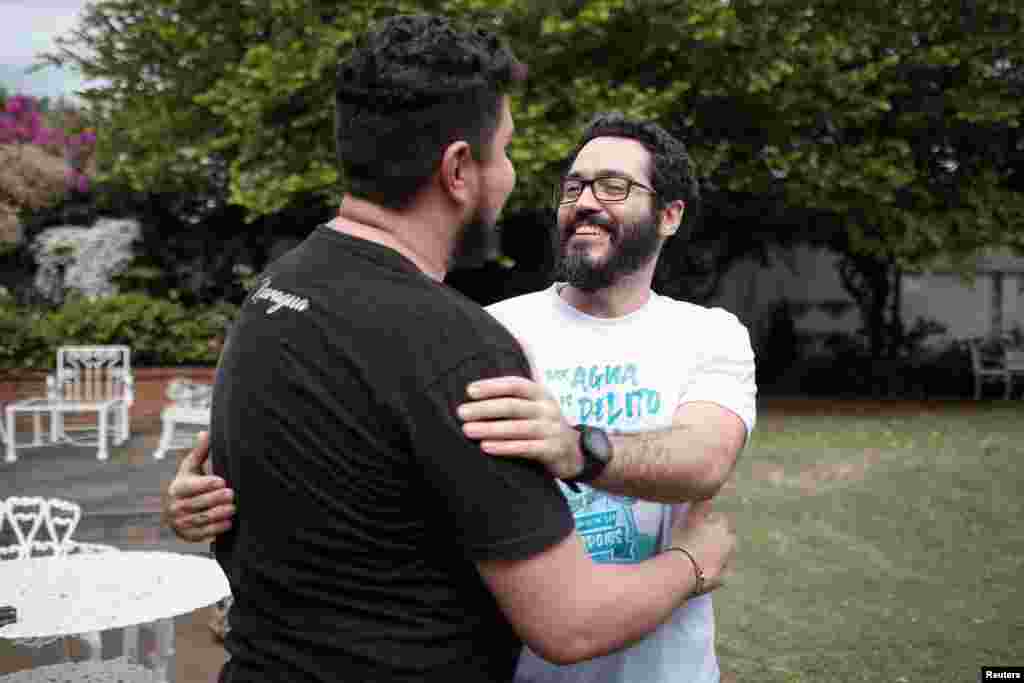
(20, 340)
(778, 344)
(841, 364)
(159, 331)
(842, 370)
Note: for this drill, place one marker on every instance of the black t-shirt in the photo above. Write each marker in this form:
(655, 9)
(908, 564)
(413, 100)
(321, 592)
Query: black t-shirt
(361, 505)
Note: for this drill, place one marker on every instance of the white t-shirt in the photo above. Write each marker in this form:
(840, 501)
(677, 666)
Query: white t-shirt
(630, 374)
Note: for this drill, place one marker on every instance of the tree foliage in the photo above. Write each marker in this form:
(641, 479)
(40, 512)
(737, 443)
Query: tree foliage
(888, 129)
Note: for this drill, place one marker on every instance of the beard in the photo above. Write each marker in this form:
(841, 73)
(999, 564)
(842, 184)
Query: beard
(635, 244)
(474, 242)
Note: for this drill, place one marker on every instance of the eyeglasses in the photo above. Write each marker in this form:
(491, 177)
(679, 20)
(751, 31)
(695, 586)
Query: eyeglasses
(605, 188)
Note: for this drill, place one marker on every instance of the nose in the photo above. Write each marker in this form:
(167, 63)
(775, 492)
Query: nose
(588, 200)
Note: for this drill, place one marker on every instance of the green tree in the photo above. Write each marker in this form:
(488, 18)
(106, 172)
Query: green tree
(914, 152)
(889, 130)
(189, 82)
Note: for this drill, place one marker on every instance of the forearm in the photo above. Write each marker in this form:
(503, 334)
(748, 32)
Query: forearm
(621, 604)
(685, 462)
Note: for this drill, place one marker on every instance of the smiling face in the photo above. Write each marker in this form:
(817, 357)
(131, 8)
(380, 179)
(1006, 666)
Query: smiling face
(600, 241)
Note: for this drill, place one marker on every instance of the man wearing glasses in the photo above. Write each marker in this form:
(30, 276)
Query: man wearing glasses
(670, 383)
(640, 405)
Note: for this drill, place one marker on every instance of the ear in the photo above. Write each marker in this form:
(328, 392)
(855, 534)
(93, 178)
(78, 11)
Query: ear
(671, 218)
(457, 174)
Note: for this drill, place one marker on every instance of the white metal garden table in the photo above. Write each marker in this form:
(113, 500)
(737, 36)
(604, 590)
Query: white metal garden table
(63, 596)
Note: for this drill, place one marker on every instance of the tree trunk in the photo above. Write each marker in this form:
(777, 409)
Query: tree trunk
(869, 281)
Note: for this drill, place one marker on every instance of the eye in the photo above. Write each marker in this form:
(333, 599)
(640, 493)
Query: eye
(617, 185)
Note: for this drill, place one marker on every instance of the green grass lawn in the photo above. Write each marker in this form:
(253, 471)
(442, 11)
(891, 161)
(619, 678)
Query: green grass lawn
(879, 542)
(877, 547)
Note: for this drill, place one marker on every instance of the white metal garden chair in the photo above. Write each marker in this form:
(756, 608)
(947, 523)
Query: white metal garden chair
(88, 379)
(988, 368)
(25, 516)
(190, 408)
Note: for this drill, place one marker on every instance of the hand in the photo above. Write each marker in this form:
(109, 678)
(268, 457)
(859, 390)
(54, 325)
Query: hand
(198, 507)
(517, 417)
(711, 539)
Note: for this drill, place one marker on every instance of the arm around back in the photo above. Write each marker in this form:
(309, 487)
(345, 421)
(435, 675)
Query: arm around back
(568, 608)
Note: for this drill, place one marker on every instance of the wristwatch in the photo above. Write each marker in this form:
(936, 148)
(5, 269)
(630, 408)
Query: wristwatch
(597, 453)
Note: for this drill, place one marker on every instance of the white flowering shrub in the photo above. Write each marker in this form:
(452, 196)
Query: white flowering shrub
(83, 260)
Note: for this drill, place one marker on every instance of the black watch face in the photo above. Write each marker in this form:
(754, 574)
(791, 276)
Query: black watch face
(596, 443)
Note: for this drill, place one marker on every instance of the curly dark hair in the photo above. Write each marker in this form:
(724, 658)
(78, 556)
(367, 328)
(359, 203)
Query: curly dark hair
(414, 85)
(672, 172)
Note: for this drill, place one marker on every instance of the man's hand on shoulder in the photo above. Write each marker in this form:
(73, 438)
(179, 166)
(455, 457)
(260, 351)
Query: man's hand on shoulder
(198, 506)
(517, 417)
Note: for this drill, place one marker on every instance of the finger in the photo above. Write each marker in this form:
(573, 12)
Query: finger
(702, 507)
(699, 511)
(724, 575)
(533, 449)
(499, 409)
(506, 430)
(190, 485)
(513, 386)
(193, 462)
(728, 521)
(206, 533)
(205, 518)
(209, 533)
(187, 533)
(202, 502)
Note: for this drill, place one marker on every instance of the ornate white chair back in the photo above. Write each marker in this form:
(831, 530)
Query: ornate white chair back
(186, 393)
(61, 522)
(30, 515)
(25, 514)
(93, 373)
(7, 551)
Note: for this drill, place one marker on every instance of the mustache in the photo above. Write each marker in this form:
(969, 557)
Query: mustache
(590, 219)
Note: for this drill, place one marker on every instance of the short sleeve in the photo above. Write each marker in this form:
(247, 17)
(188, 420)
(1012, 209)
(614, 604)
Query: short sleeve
(500, 508)
(725, 370)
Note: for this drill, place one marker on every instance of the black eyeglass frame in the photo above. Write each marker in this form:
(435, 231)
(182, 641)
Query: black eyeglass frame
(584, 184)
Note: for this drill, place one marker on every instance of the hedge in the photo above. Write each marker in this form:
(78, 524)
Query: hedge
(160, 332)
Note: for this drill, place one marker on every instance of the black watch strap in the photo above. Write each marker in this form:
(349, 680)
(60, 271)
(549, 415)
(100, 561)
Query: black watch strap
(597, 453)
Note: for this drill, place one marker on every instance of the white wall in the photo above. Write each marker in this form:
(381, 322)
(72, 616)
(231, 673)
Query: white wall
(1013, 299)
(802, 276)
(964, 307)
(805, 275)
